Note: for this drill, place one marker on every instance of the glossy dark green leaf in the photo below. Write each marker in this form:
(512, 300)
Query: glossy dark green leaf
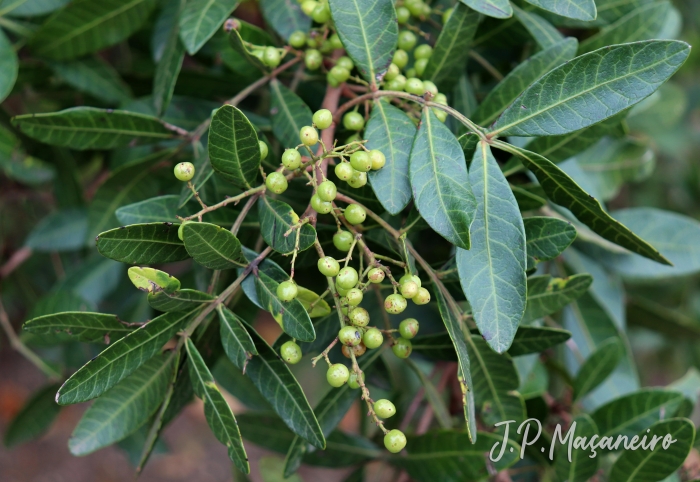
(546, 238)
(535, 339)
(547, 295)
(123, 408)
(492, 272)
(581, 467)
(285, 16)
(507, 90)
(212, 246)
(168, 66)
(291, 315)
(157, 209)
(561, 189)
(492, 8)
(181, 300)
(597, 367)
(233, 147)
(369, 32)
(451, 49)
(201, 19)
(577, 9)
(571, 97)
(238, 344)
(9, 66)
(216, 410)
(95, 77)
(243, 35)
(121, 358)
(85, 26)
(289, 114)
(84, 326)
(143, 244)
(440, 183)
(540, 29)
(276, 221)
(233, 380)
(35, 417)
(63, 230)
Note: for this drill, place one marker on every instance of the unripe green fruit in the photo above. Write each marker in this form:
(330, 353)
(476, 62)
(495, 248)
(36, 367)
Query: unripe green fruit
(440, 114)
(342, 240)
(373, 338)
(344, 171)
(427, 10)
(376, 275)
(440, 99)
(395, 304)
(423, 297)
(378, 159)
(271, 57)
(423, 52)
(416, 8)
(335, 42)
(354, 380)
(180, 233)
(297, 39)
(399, 83)
(308, 6)
(400, 58)
(359, 316)
(326, 47)
(328, 266)
(340, 74)
(308, 136)
(322, 13)
(384, 408)
(407, 40)
(345, 62)
(323, 119)
(392, 72)
(409, 277)
(312, 43)
(409, 289)
(290, 352)
(354, 298)
(402, 15)
(350, 336)
(327, 191)
(411, 73)
(347, 278)
(353, 121)
(291, 159)
(337, 375)
(184, 171)
(259, 54)
(320, 206)
(287, 290)
(342, 292)
(419, 66)
(313, 59)
(428, 86)
(402, 348)
(446, 15)
(355, 214)
(360, 161)
(395, 441)
(408, 328)
(358, 179)
(357, 350)
(263, 150)
(276, 182)
(414, 86)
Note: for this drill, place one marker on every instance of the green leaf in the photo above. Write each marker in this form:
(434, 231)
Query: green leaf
(33, 8)
(591, 88)
(658, 462)
(237, 343)
(154, 210)
(441, 186)
(451, 49)
(120, 359)
(201, 19)
(642, 23)
(85, 128)
(94, 76)
(244, 34)
(521, 77)
(276, 221)
(369, 32)
(216, 410)
(153, 280)
(289, 114)
(577, 9)
(212, 246)
(143, 244)
(541, 30)
(391, 131)
(582, 467)
(307, 298)
(234, 381)
(597, 367)
(535, 339)
(124, 408)
(34, 419)
(9, 66)
(181, 300)
(84, 326)
(546, 238)
(233, 147)
(168, 67)
(62, 230)
(291, 315)
(285, 16)
(561, 189)
(492, 8)
(86, 26)
(492, 272)
(547, 295)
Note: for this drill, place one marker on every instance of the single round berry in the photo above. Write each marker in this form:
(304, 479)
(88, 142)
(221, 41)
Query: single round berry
(402, 348)
(312, 43)
(313, 59)
(297, 39)
(355, 214)
(354, 298)
(180, 230)
(407, 40)
(410, 277)
(446, 15)
(354, 380)
(409, 289)
(411, 73)
(360, 161)
(184, 171)
(400, 58)
(419, 66)
(263, 150)
(357, 350)
(307, 6)
(440, 99)
(276, 182)
(291, 159)
(345, 62)
(378, 159)
(326, 47)
(350, 336)
(414, 86)
(429, 86)
(347, 278)
(398, 83)
(342, 240)
(395, 304)
(323, 119)
(408, 328)
(423, 52)
(359, 316)
(322, 13)
(272, 57)
(395, 441)
(344, 171)
(335, 42)
(327, 191)
(294, 216)
(392, 72)
(332, 81)
(373, 338)
(440, 114)
(415, 7)
(358, 179)
(337, 375)
(423, 297)
(342, 292)
(290, 352)
(308, 136)
(259, 54)
(376, 275)
(328, 266)
(353, 121)
(384, 408)
(427, 10)
(287, 290)
(341, 74)
(402, 15)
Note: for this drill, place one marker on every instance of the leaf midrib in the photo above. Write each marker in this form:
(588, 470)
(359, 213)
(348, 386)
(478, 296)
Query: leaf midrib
(368, 52)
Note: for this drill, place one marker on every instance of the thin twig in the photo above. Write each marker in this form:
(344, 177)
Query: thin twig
(15, 261)
(244, 212)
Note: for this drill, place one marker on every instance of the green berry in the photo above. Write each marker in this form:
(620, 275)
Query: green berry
(392, 72)
(344, 171)
(335, 42)
(337, 375)
(414, 86)
(308, 136)
(373, 338)
(323, 119)
(271, 57)
(345, 62)
(359, 316)
(360, 161)
(423, 52)
(313, 59)
(287, 290)
(395, 304)
(376, 275)
(263, 150)
(320, 206)
(423, 297)
(342, 292)
(340, 74)
(328, 266)
(407, 40)
(355, 214)
(290, 352)
(354, 298)
(378, 159)
(415, 7)
(400, 58)
(349, 335)
(184, 171)
(440, 114)
(180, 230)
(308, 6)
(322, 13)
(347, 278)
(354, 380)
(440, 98)
(446, 15)
(326, 47)
(312, 43)
(402, 15)
(327, 191)
(408, 328)
(291, 159)
(409, 277)
(259, 54)
(398, 83)
(358, 179)
(427, 10)
(419, 66)
(297, 39)
(395, 441)
(276, 182)
(343, 240)
(357, 350)
(402, 348)
(353, 121)
(409, 289)
(384, 408)
(411, 73)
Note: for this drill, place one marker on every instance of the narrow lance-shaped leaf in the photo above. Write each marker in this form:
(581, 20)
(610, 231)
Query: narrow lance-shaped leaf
(597, 367)
(541, 30)
(213, 246)
(291, 315)
(547, 295)
(143, 244)
(289, 114)
(168, 67)
(492, 8)
(440, 183)
(181, 300)
(234, 151)
(84, 326)
(154, 210)
(285, 16)
(492, 272)
(577, 9)
(591, 88)
(201, 19)
(581, 467)
(276, 221)
(237, 343)
(35, 417)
